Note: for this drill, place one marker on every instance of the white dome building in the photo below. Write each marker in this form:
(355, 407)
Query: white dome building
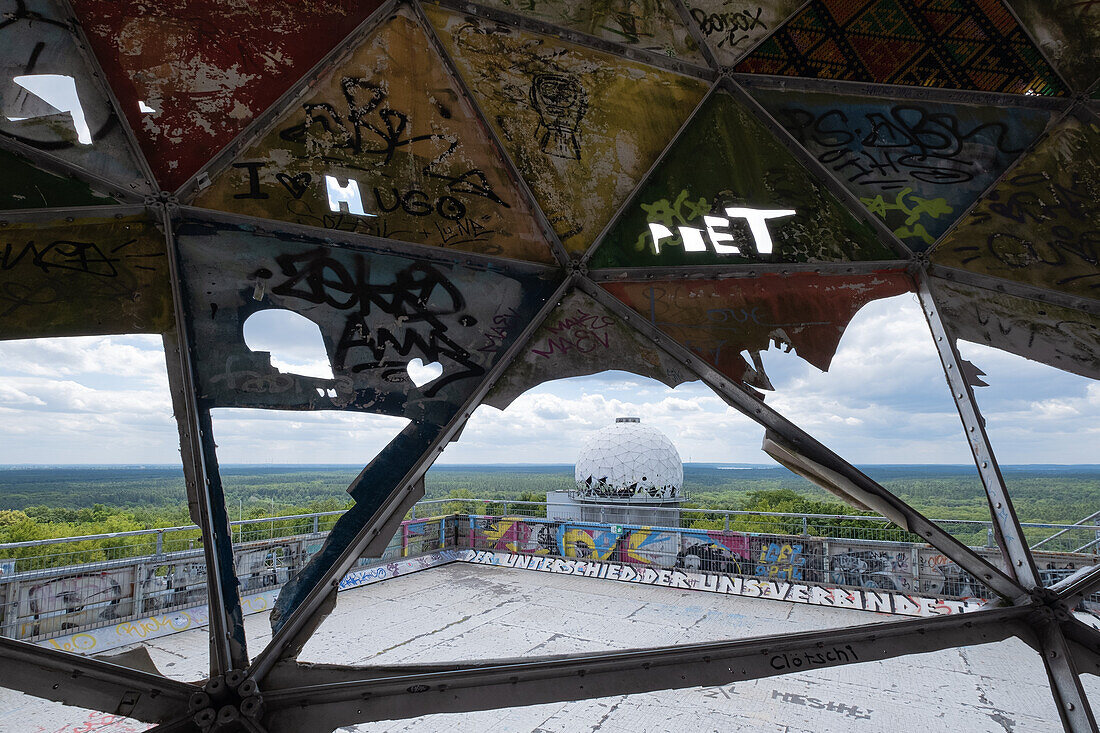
(629, 461)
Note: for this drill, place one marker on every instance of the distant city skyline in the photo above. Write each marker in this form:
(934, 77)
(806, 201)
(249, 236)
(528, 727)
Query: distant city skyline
(104, 400)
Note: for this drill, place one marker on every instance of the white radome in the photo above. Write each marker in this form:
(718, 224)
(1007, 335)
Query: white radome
(628, 460)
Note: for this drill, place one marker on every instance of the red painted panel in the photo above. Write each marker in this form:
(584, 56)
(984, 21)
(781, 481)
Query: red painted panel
(717, 319)
(207, 67)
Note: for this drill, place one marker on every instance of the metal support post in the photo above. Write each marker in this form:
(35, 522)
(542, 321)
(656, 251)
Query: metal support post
(1065, 681)
(1010, 534)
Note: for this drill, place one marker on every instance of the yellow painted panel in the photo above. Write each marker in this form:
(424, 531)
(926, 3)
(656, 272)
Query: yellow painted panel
(391, 120)
(583, 127)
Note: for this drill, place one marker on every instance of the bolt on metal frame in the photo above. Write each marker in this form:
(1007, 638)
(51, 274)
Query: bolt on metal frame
(272, 692)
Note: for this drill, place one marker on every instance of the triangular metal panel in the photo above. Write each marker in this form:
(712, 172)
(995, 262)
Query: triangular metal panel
(917, 164)
(955, 44)
(191, 75)
(582, 126)
(26, 186)
(581, 337)
(390, 122)
(723, 166)
(1065, 338)
(650, 25)
(1068, 32)
(1039, 225)
(82, 273)
(40, 55)
(719, 319)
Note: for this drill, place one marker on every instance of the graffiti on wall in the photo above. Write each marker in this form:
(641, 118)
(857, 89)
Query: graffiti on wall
(871, 568)
(715, 552)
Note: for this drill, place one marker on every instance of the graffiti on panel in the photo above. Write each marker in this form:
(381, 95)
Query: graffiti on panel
(91, 276)
(1061, 337)
(917, 165)
(192, 75)
(376, 315)
(1068, 32)
(582, 126)
(587, 542)
(727, 192)
(908, 42)
(715, 552)
(649, 546)
(421, 537)
(581, 337)
(1041, 225)
(866, 568)
(732, 27)
(405, 161)
(266, 566)
(56, 604)
(646, 24)
(940, 575)
(783, 559)
(720, 319)
(516, 535)
(25, 186)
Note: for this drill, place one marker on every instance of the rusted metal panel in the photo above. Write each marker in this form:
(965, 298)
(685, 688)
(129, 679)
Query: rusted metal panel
(1068, 32)
(651, 25)
(955, 44)
(390, 120)
(74, 121)
(724, 161)
(26, 186)
(582, 126)
(206, 68)
(582, 337)
(731, 28)
(1041, 224)
(917, 165)
(95, 275)
(375, 313)
(1065, 338)
(718, 319)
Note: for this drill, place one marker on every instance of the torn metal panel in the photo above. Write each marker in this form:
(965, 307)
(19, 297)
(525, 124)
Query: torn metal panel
(726, 192)
(918, 165)
(1060, 337)
(375, 312)
(731, 28)
(959, 44)
(404, 149)
(1041, 224)
(191, 75)
(51, 99)
(650, 25)
(1068, 32)
(26, 186)
(582, 126)
(718, 319)
(85, 276)
(582, 337)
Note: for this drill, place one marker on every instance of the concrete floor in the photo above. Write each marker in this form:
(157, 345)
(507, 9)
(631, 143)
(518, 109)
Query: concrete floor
(463, 611)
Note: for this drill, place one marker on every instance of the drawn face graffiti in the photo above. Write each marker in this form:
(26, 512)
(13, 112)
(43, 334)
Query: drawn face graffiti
(561, 102)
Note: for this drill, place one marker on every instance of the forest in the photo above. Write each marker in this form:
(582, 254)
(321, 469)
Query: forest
(66, 501)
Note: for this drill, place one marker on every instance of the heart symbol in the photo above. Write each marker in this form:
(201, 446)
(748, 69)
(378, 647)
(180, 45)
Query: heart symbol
(296, 185)
(421, 373)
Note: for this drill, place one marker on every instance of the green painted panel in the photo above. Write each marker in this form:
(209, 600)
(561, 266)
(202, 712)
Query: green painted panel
(728, 160)
(918, 165)
(23, 186)
(1068, 32)
(1041, 224)
(953, 44)
(582, 337)
(731, 28)
(86, 277)
(582, 126)
(652, 25)
(393, 121)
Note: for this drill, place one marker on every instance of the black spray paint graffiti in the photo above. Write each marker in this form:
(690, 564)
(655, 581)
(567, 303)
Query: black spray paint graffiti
(561, 102)
(732, 26)
(872, 569)
(413, 305)
(907, 142)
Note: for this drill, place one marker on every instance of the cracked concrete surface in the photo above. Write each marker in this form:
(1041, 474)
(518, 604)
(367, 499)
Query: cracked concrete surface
(463, 611)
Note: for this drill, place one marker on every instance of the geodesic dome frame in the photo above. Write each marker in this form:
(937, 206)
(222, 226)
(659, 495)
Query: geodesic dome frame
(536, 192)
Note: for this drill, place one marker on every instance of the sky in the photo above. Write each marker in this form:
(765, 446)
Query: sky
(104, 400)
